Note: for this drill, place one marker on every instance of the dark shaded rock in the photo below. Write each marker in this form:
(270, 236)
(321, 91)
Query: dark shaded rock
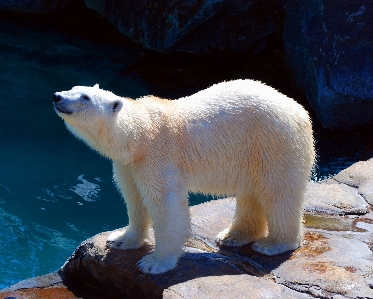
(328, 46)
(50, 286)
(194, 26)
(116, 272)
(35, 6)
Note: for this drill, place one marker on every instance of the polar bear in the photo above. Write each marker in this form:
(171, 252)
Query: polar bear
(239, 138)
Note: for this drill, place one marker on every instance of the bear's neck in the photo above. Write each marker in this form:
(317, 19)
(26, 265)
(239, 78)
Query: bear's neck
(122, 138)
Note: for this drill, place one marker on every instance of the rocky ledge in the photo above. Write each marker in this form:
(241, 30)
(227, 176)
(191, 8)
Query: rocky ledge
(335, 260)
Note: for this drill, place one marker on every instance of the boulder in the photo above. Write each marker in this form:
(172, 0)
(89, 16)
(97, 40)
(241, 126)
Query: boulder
(335, 199)
(360, 176)
(194, 26)
(196, 275)
(35, 6)
(328, 47)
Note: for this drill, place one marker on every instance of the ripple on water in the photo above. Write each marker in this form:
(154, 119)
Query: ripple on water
(29, 249)
(87, 190)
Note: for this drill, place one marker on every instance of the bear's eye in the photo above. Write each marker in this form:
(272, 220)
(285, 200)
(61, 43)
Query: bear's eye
(85, 97)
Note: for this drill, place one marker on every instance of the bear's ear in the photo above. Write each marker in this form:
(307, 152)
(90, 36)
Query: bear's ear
(116, 106)
(96, 86)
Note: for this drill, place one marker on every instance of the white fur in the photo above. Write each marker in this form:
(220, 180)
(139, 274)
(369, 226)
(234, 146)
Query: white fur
(239, 138)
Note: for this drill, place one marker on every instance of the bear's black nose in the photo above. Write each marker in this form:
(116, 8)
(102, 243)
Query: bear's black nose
(56, 98)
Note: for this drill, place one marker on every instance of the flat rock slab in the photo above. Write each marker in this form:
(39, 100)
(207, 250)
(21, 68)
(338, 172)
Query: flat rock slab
(335, 199)
(230, 287)
(328, 265)
(360, 176)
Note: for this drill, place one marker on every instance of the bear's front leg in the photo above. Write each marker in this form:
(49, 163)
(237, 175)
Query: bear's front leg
(168, 208)
(139, 220)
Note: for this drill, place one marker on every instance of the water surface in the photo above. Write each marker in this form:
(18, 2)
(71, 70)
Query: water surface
(54, 191)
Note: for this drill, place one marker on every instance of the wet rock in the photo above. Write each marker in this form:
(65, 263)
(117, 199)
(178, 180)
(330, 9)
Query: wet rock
(38, 6)
(321, 40)
(360, 176)
(337, 199)
(194, 26)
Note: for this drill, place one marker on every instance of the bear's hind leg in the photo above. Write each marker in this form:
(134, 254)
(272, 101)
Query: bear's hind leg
(249, 224)
(139, 220)
(284, 227)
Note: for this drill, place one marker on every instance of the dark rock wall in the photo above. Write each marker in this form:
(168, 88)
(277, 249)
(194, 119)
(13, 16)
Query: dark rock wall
(328, 45)
(34, 6)
(195, 26)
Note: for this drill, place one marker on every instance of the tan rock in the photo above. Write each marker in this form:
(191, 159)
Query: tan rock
(334, 199)
(359, 175)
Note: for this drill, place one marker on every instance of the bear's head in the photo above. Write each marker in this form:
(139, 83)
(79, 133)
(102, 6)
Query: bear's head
(86, 103)
(90, 113)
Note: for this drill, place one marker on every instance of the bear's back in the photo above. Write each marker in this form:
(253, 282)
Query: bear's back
(240, 99)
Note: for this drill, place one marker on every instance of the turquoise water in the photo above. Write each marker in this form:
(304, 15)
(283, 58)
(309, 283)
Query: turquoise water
(54, 191)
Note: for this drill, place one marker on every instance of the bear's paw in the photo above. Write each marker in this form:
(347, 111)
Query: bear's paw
(268, 247)
(123, 240)
(232, 238)
(151, 264)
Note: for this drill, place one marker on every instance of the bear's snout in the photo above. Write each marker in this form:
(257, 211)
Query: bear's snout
(56, 98)
(59, 105)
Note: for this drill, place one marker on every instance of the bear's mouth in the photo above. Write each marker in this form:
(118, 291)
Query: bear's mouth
(61, 110)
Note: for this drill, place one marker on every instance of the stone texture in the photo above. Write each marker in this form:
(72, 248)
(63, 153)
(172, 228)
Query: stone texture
(328, 46)
(96, 5)
(35, 6)
(194, 26)
(50, 286)
(359, 175)
(116, 272)
(231, 287)
(329, 266)
(337, 199)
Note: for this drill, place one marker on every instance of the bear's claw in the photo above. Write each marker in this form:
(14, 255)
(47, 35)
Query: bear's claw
(123, 240)
(152, 265)
(232, 239)
(271, 248)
